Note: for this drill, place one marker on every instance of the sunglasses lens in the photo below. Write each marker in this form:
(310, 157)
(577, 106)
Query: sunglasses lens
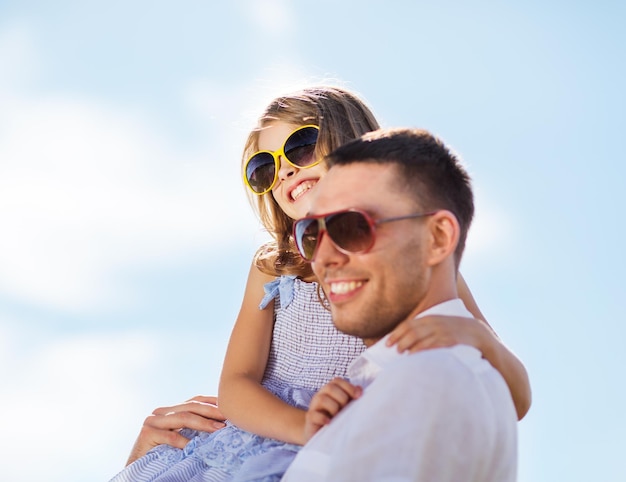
(260, 172)
(306, 233)
(300, 146)
(350, 231)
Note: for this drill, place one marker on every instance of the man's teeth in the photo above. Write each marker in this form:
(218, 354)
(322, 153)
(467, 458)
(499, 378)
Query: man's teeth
(344, 287)
(301, 189)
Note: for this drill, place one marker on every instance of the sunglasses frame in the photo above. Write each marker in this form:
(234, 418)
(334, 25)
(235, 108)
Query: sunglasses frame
(321, 224)
(276, 155)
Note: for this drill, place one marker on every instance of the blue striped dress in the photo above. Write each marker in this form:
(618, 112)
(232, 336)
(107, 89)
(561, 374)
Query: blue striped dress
(306, 352)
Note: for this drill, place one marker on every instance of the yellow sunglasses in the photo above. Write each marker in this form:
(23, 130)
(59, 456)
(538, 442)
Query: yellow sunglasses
(261, 169)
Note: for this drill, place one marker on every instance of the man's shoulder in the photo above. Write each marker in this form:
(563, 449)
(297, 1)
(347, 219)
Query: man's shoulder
(437, 370)
(452, 380)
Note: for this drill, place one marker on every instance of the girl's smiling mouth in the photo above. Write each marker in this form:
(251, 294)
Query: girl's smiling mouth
(301, 189)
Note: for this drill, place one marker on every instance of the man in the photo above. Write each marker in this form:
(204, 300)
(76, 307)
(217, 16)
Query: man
(386, 234)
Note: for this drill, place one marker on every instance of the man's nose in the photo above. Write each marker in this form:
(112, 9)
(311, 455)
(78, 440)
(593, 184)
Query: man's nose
(327, 254)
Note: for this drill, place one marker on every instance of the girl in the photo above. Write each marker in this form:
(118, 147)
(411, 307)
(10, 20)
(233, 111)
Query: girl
(280, 354)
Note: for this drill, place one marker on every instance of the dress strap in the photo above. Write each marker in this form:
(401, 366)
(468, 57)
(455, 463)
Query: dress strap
(282, 286)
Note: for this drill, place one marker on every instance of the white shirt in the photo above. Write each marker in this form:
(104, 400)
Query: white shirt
(441, 415)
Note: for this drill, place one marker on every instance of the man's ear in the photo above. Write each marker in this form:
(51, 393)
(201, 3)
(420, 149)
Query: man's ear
(444, 232)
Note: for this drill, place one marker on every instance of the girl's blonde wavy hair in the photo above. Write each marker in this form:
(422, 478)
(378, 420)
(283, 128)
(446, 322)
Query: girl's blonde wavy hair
(341, 117)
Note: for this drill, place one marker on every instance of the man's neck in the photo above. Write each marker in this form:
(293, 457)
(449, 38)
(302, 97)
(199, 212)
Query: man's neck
(430, 299)
(428, 302)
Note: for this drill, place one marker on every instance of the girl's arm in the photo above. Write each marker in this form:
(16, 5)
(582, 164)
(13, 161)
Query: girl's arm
(502, 359)
(242, 398)
(439, 331)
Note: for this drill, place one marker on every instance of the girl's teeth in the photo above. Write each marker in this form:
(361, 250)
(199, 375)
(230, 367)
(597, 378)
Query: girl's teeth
(301, 189)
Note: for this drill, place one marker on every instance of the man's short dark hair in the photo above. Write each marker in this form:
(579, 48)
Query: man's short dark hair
(428, 170)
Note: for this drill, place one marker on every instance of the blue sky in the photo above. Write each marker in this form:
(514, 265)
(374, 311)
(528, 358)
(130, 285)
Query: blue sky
(126, 234)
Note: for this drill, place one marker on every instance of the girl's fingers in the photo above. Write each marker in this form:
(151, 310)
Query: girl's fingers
(335, 395)
(328, 406)
(397, 333)
(343, 390)
(318, 419)
(327, 403)
(433, 332)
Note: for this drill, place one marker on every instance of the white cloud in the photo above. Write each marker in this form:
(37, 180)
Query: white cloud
(490, 233)
(73, 405)
(84, 188)
(88, 189)
(272, 17)
(62, 400)
(18, 55)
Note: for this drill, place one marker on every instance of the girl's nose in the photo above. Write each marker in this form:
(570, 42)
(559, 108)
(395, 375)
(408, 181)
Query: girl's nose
(286, 170)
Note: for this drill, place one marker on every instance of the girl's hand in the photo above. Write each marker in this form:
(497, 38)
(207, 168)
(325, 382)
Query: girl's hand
(430, 332)
(327, 403)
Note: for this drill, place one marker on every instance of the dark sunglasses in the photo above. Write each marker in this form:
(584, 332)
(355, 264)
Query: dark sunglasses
(352, 231)
(261, 169)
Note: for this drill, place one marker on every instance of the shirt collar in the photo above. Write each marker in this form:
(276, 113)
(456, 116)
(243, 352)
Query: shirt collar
(366, 367)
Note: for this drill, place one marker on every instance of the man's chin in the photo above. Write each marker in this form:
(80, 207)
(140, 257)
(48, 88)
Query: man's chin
(350, 325)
